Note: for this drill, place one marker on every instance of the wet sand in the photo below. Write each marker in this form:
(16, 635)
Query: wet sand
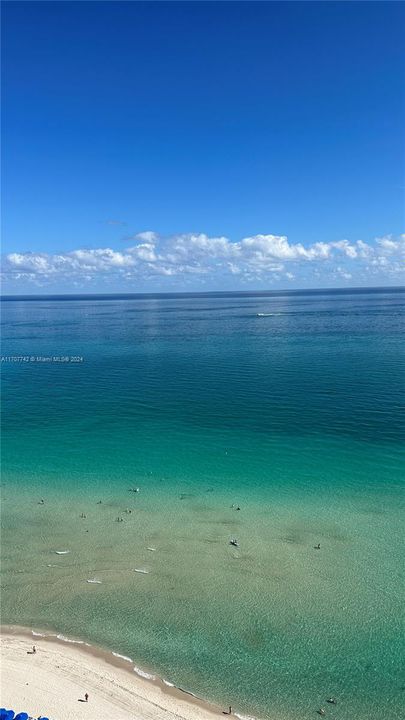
(54, 680)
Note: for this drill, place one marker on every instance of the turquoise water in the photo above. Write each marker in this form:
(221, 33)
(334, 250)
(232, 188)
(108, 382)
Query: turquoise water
(296, 417)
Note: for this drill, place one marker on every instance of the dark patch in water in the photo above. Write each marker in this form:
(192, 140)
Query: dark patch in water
(201, 508)
(339, 537)
(293, 539)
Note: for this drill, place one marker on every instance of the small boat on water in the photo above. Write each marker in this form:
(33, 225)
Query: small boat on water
(151, 549)
(62, 552)
(93, 581)
(264, 314)
(234, 543)
(140, 570)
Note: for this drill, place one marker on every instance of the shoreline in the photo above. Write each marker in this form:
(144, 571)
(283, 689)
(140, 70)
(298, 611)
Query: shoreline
(130, 688)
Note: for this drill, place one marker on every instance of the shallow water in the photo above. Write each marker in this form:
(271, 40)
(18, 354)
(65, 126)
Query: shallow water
(296, 417)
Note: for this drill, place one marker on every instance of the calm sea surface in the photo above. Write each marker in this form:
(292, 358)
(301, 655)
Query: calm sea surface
(297, 417)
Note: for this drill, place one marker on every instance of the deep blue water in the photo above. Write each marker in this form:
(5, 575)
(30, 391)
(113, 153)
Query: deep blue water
(297, 415)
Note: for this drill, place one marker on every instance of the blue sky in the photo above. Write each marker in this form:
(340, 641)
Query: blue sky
(257, 144)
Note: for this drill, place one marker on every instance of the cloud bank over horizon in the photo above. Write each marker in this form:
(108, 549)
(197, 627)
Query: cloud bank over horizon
(199, 262)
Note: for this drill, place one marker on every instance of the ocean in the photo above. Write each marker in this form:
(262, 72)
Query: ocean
(275, 419)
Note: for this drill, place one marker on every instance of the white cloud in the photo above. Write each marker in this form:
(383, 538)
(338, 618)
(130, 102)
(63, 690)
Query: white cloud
(144, 251)
(344, 245)
(259, 259)
(392, 246)
(343, 273)
(147, 235)
(277, 246)
(100, 259)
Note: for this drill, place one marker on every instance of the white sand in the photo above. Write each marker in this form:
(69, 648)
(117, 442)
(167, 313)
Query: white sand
(53, 681)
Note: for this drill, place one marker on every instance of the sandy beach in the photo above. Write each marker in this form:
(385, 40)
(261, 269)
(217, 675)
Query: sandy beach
(54, 680)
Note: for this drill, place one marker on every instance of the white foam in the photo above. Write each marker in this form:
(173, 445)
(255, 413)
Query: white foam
(267, 315)
(244, 717)
(37, 634)
(94, 581)
(123, 657)
(144, 674)
(68, 640)
(169, 684)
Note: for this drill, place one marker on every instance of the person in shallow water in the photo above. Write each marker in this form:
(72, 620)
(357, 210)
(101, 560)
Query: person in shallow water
(86, 697)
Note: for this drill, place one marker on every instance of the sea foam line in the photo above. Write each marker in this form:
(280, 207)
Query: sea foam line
(144, 674)
(68, 640)
(168, 683)
(61, 637)
(137, 670)
(123, 657)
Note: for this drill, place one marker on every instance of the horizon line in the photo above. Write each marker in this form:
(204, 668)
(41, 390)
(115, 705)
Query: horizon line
(199, 293)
